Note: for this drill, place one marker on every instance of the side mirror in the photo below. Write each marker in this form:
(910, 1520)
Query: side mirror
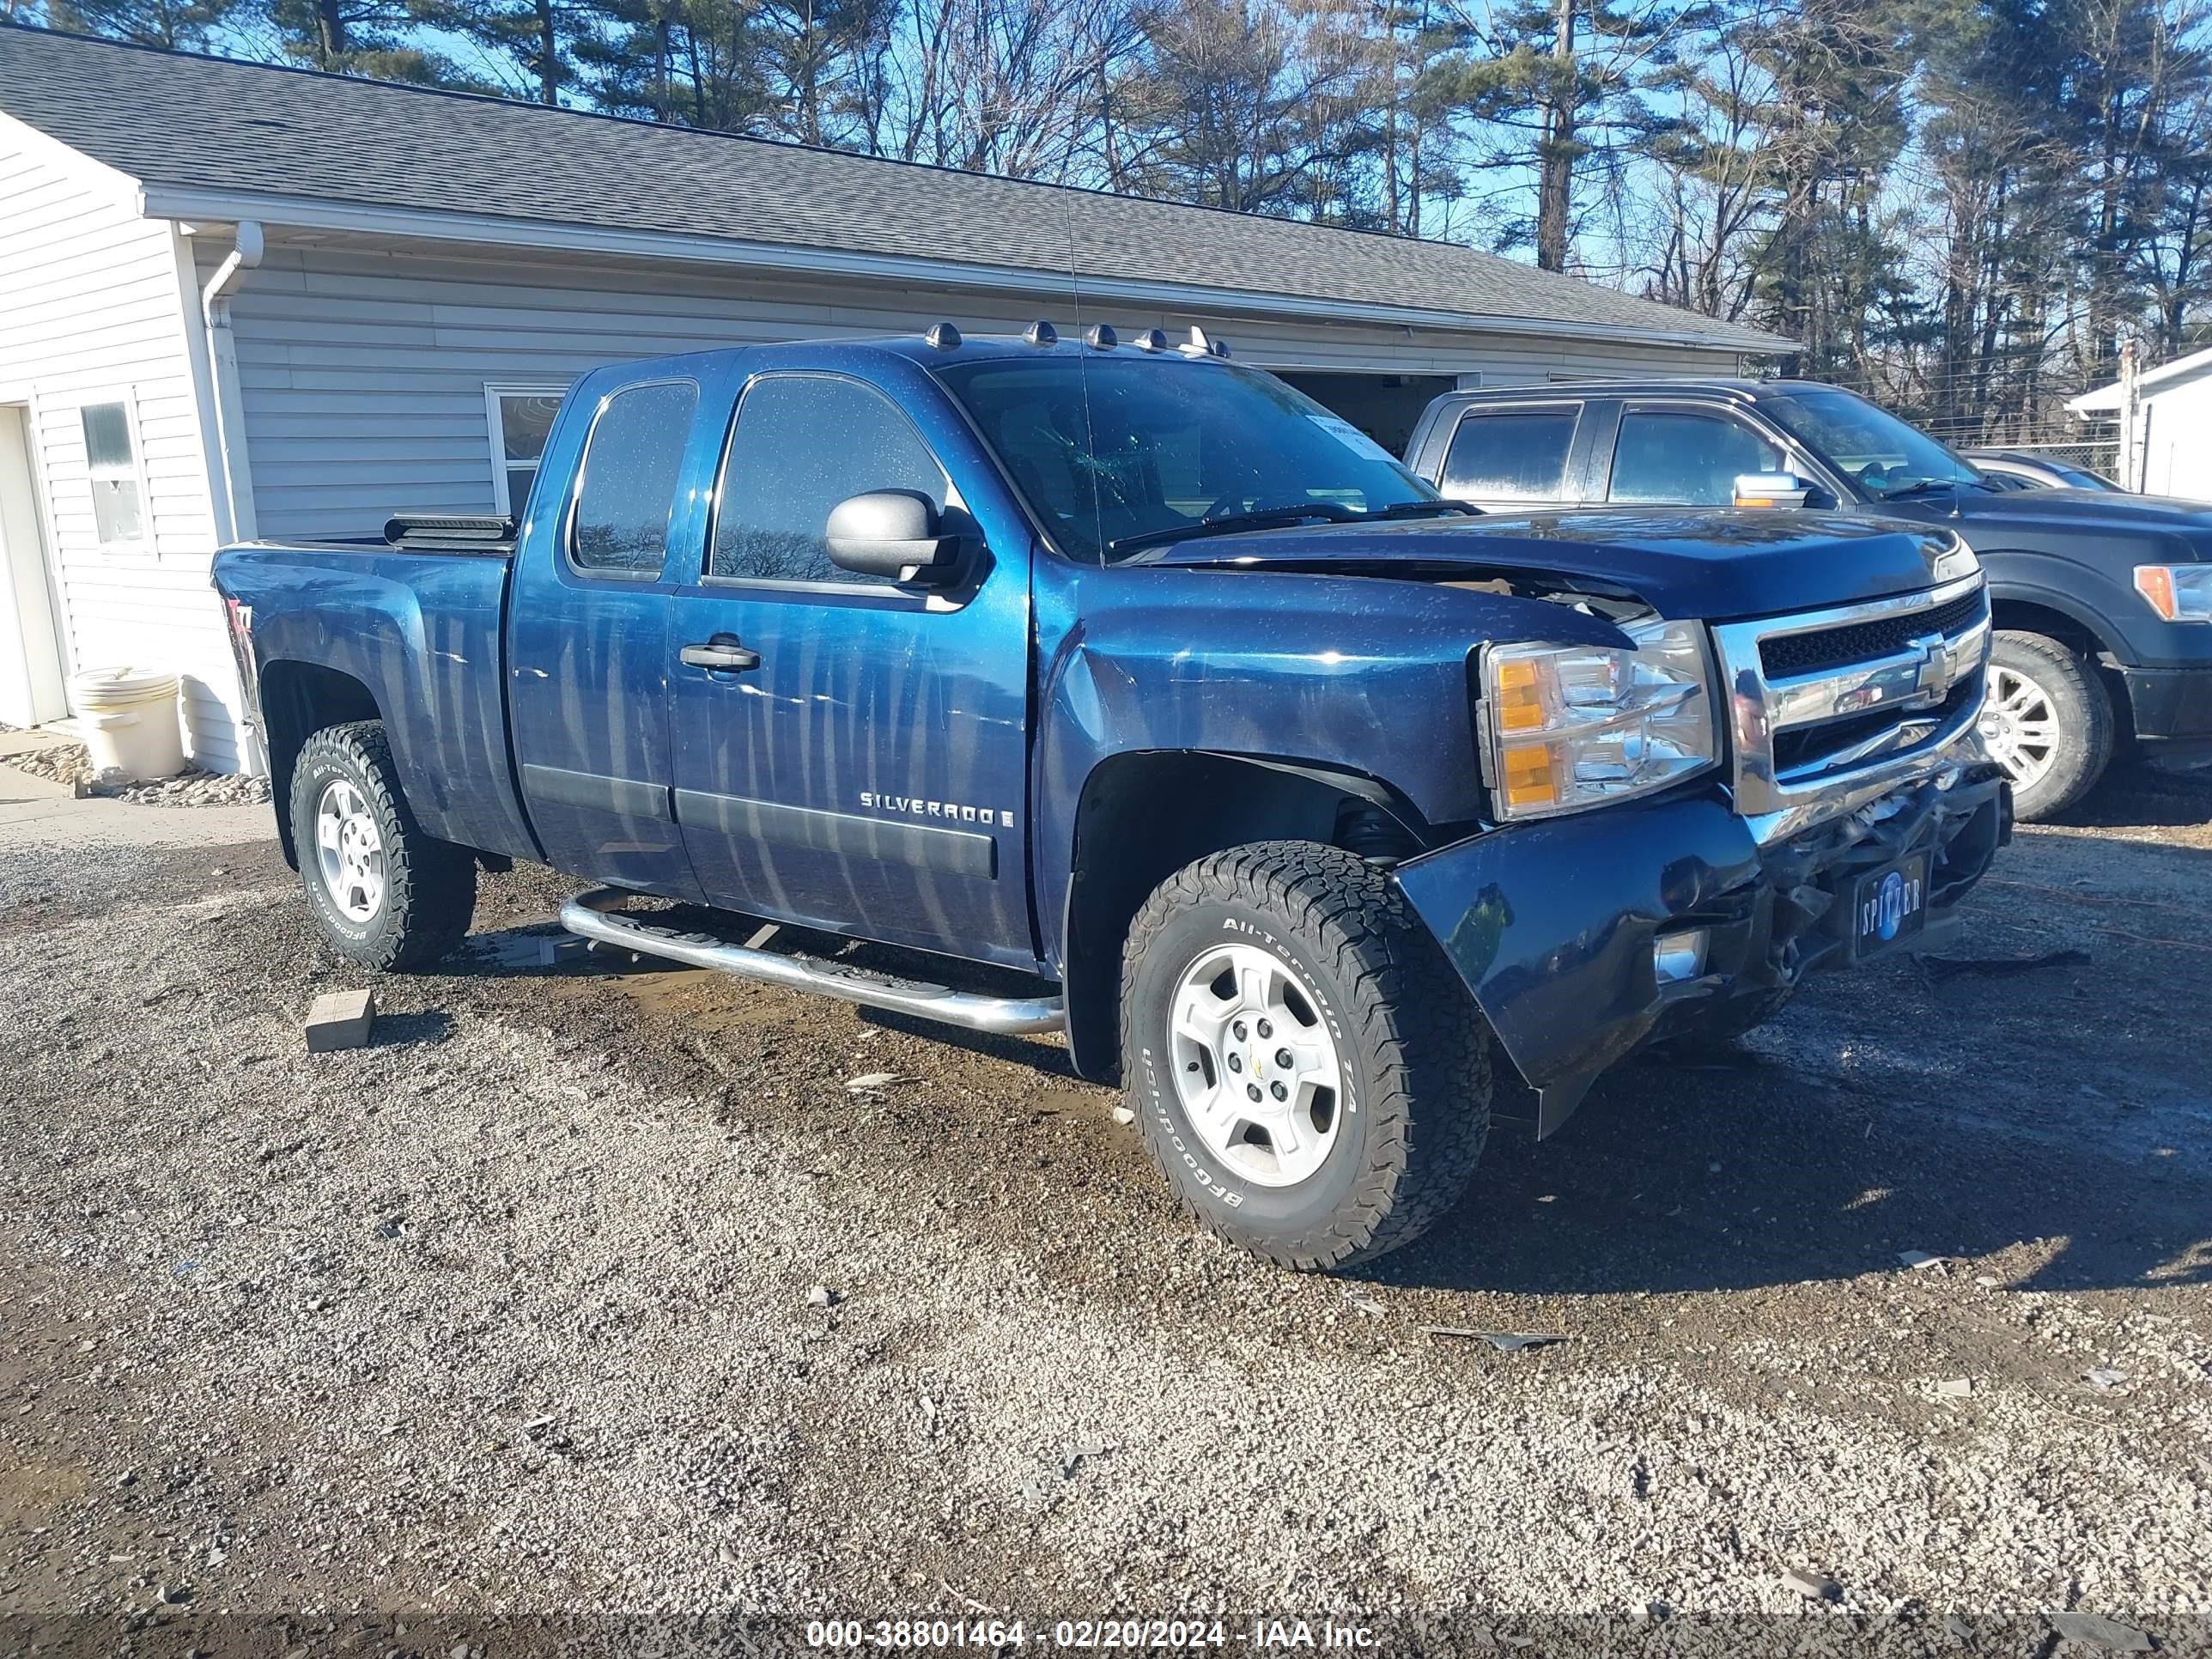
(891, 533)
(1771, 489)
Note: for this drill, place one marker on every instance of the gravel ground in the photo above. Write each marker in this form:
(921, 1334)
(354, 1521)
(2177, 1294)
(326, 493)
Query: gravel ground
(514, 1314)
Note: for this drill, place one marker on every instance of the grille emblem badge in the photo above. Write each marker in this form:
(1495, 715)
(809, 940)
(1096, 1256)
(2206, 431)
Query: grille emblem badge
(1935, 667)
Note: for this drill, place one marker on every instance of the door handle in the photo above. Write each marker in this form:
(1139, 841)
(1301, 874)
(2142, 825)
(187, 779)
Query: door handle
(721, 655)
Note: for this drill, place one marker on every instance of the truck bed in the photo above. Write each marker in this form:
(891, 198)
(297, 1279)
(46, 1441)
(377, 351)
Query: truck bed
(422, 631)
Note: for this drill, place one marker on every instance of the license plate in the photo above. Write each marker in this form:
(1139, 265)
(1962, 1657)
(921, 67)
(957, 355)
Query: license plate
(1889, 905)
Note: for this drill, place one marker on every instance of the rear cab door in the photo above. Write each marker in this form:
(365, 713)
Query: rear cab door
(1524, 450)
(588, 638)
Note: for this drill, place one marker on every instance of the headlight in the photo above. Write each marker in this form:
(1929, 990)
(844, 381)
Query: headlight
(1956, 560)
(2179, 593)
(1571, 727)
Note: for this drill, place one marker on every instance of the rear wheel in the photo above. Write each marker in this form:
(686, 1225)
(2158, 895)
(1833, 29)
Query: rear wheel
(1307, 1068)
(385, 894)
(2048, 721)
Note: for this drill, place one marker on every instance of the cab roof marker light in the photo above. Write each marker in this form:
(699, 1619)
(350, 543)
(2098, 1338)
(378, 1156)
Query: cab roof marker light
(943, 337)
(1100, 336)
(1040, 333)
(1151, 339)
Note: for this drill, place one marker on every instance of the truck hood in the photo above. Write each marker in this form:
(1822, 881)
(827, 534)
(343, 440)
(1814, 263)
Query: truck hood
(1713, 565)
(2050, 513)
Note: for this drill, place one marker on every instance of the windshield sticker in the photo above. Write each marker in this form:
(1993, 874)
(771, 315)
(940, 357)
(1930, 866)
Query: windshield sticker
(1352, 438)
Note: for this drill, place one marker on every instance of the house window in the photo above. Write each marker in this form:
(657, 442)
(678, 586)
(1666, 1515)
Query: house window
(521, 419)
(117, 512)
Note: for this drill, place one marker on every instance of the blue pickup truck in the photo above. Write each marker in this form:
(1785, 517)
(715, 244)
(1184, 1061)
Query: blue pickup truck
(1145, 699)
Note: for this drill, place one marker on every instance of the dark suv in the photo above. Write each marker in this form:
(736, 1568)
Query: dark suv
(2103, 600)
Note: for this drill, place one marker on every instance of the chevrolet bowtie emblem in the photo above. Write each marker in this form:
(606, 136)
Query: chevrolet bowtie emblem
(1935, 683)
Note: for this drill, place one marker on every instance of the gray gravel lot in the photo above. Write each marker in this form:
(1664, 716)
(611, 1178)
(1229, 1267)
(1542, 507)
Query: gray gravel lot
(509, 1313)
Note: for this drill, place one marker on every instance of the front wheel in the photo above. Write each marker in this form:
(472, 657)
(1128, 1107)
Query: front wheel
(2048, 720)
(385, 894)
(1307, 1068)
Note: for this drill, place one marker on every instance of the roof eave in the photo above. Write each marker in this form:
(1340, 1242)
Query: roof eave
(311, 213)
(110, 182)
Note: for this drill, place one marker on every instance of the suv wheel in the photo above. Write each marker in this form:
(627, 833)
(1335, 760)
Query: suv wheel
(385, 894)
(2048, 721)
(1307, 1068)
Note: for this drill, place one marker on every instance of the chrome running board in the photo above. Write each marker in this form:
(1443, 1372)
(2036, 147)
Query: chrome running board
(592, 915)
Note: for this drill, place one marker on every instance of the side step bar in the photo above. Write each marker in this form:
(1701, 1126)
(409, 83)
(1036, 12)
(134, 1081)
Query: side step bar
(593, 916)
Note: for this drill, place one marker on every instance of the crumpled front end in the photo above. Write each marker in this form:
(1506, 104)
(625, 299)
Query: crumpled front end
(1584, 938)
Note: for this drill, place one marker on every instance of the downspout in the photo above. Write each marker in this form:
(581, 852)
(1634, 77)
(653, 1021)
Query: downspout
(229, 276)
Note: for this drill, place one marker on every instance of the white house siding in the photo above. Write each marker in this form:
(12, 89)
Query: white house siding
(363, 372)
(92, 311)
(2177, 439)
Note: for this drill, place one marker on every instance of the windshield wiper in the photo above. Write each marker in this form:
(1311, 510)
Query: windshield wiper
(1422, 510)
(1273, 517)
(1229, 524)
(1925, 486)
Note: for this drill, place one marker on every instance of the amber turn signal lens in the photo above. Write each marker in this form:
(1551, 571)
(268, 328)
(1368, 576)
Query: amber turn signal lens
(1520, 703)
(2155, 583)
(1529, 781)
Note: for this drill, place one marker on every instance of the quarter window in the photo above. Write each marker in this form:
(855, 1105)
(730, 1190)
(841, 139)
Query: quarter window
(1513, 455)
(521, 420)
(631, 465)
(1682, 458)
(118, 513)
(802, 444)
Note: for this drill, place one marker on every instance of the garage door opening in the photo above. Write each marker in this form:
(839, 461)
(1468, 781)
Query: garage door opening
(1383, 406)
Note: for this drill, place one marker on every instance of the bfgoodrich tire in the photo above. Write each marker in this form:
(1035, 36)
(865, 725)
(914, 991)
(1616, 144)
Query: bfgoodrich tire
(1307, 1068)
(385, 894)
(2049, 721)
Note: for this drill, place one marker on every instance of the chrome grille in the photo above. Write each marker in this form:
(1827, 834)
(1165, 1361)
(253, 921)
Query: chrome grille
(1838, 647)
(1827, 703)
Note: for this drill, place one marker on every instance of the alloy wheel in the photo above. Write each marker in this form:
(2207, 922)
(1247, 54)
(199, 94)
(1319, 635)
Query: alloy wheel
(349, 851)
(1255, 1068)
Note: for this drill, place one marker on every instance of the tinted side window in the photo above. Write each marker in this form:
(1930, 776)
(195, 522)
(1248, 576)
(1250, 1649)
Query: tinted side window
(1679, 457)
(804, 443)
(1516, 455)
(631, 463)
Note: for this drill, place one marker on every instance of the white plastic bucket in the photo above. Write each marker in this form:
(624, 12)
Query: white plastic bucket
(128, 718)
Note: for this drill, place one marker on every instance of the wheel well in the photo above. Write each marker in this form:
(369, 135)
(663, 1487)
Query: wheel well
(2029, 618)
(1143, 817)
(299, 699)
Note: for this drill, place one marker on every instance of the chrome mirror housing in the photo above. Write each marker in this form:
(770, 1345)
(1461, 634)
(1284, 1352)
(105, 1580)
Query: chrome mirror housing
(1771, 489)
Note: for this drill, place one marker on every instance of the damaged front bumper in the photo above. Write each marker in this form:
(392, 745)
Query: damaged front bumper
(1585, 937)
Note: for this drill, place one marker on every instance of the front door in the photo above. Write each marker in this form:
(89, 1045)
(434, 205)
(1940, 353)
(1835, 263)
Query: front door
(849, 753)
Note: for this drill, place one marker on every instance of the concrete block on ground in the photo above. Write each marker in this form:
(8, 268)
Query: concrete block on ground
(340, 1020)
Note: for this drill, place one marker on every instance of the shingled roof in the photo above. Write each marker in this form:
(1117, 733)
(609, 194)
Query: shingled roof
(177, 123)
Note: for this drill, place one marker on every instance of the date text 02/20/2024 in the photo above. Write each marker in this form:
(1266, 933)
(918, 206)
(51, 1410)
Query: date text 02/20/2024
(1088, 1634)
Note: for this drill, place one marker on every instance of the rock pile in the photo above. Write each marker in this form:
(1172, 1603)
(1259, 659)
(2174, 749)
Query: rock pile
(66, 762)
